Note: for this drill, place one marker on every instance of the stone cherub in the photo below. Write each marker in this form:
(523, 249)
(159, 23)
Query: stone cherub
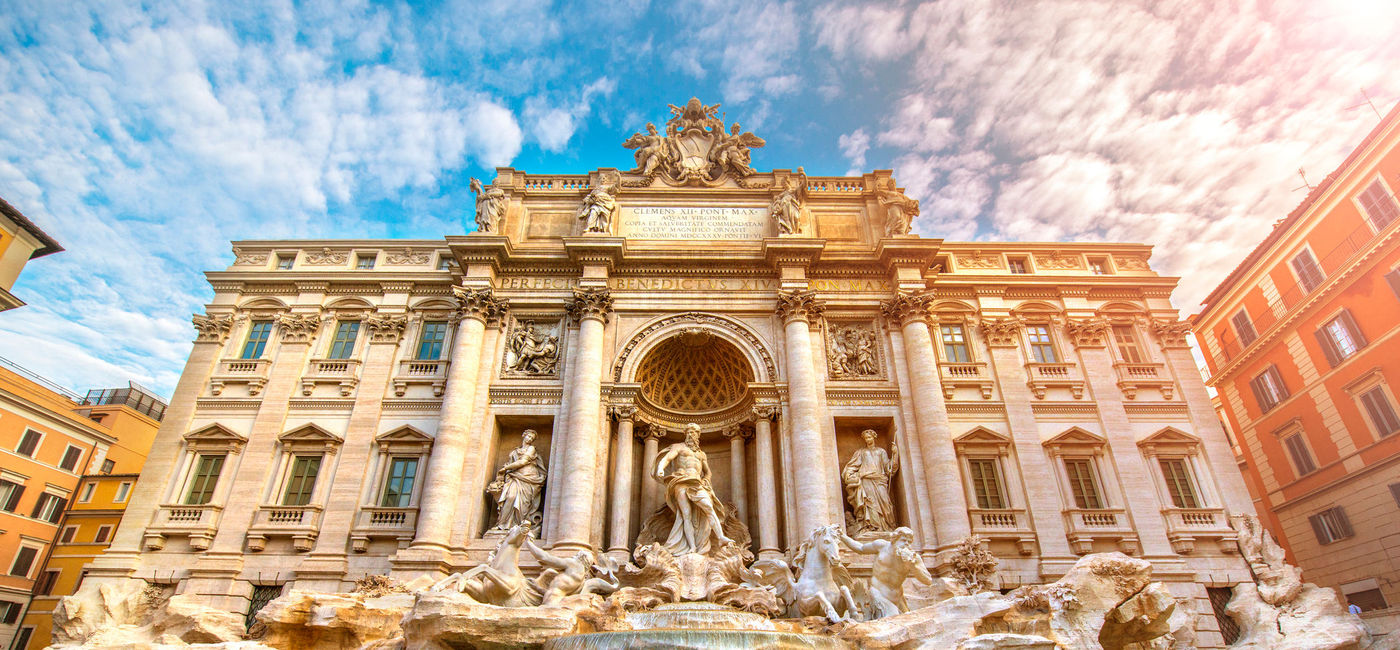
(895, 561)
(867, 477)
(490, 206)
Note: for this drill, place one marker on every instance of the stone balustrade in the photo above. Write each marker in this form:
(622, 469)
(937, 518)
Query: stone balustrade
(252, 372)
(419, 372)
(965, 375)
(373, 522)
(1084, 526)
(1133, 377)
(301, 523)
(1004, 523)
(1186, 525)
(1044, 376)
(343, 372)
(197, 522)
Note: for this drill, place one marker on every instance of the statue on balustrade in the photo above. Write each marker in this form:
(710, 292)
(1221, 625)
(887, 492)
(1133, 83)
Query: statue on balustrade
(599, 207)
(518, 484)
(900, 210)
(697, 527)
(867, 476)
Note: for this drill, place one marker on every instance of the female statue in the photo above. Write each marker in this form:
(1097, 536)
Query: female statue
(867, 478)
(518, 484)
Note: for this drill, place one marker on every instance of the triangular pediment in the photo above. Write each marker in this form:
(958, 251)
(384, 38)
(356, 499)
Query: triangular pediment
(1076, 436)
(215, 433)
(309, 433)
(1168, 439)
(982, 435)
(404, 433)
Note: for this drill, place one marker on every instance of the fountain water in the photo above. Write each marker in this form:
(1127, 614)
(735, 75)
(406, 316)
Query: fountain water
(697, 625)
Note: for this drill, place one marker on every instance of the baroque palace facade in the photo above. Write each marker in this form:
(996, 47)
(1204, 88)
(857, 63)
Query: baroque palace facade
(355, 407)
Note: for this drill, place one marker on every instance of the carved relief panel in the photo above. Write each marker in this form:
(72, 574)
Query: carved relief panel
(533, 348)
(852, 351)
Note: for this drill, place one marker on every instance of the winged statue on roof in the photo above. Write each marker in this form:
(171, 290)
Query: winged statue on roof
(696, 148)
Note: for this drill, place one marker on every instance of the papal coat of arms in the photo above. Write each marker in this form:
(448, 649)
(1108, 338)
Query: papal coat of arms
(696, 149)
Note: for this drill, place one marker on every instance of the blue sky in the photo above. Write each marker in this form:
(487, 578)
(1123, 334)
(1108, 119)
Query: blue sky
(145, 137)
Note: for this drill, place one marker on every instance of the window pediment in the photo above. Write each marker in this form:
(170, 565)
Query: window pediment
(405, 439)
(215, 437)
(1170, 441)
(981, 440)
(1037, 312)
(310, 437)
(1075, 441)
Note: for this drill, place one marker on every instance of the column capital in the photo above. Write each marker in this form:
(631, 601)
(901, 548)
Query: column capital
(593, 303)
(1172, 333)
(212, 329)
(649, 431)
(799, 304)
(907, 306)
(736, 432)
(1087, 332)
(765, 411)
(298, 328)
(1000, 332)
(623, 411)
(385, 328)
(479, 303)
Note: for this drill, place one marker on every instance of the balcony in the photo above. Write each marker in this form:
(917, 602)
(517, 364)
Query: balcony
(301, 523)
(198, 523)
(1084, 526)
(252, 372)
(1044, 376)
(1133, 377)
(1007, 524)
(342, 372)
(380, 522)
(971, 375)
(1186, 525)
(413, 372)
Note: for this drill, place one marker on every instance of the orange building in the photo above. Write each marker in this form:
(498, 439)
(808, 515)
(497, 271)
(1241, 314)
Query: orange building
(51, 441)
(1301, 342)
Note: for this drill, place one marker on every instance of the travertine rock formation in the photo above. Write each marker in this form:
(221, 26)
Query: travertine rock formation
(132, 613)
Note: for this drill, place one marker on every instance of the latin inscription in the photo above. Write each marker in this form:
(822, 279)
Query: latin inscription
(692, 222)
(695, 284)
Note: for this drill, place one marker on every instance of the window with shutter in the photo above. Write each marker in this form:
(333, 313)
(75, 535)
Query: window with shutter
(1244, 328)
(1268, 388)
(9, 495)
(302, 481)
(954, 343)
(1083, 484)
(1379, 204)
(28, 443)
(986, 483)
(1393, 279)
(1331, 525)
(1381, 411)
(1302, 458)
(1340, 338)
(1305, 267)
(1179, 484)
(24, 560)
(70, 458)
(206, 477)
(1127, 344)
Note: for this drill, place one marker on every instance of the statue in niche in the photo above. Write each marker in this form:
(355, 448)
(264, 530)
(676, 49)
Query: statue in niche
(654, 151)
(599, 207)
(518, 485)
(867, 477)
(900, 210)
(852, 352)
(490, 206)
(690, 496)
(532, 352)
(895, 561)
(786, 208)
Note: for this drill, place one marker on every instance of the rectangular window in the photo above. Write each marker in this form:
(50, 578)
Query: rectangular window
(9, 612)
(24, 560)
(1017, 265)
(44, 585)
(1309, 273)
(444, 263)
(71, 456)
(1099, 266)
(258, 334)
(206, 476)
(986, 483)
(343, 344)
(1268, 388)
(430, 340)
(68, 533)
(28, 443)
(1179, 483)
(1369, 600)
(1395, 493)
(108, 465)
(1331, 525)
(1379, 205)
(302, 481)
(1244, 328)
(398, 485)
(262, 595)
(1042, 346)
(365, 262)
(49, 507)
(1083, 484)
(1298, 450)
(22, 639)
(9, 495)
(285, 262)
(1340, 338)
(955, 344)
(122, 491)
(1381, 411)
(1127, 343)
(87, 493)
(103, 532)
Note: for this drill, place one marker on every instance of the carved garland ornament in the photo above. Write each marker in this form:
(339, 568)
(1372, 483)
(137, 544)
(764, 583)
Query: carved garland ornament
(1172, 333)
(1056, 260)
(479, 304)
(705, 319)
(799, 304)
(385, 328)
(975, 260)
(1088, 332)
(242, 258)
(212, 329)
(591, 303)
(327, 257)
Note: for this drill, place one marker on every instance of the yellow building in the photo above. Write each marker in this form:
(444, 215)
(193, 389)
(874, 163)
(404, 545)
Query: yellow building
(67, 466)
(20, 241)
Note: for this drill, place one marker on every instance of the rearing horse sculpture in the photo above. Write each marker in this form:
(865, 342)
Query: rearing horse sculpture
(499, 581)
(822, 586)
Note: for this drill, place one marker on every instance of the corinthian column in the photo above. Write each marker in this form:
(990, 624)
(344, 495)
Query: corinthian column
(767, 487)
(443, 479)
(796, 309)
(620, 522)
(910, 312)
(591, 307)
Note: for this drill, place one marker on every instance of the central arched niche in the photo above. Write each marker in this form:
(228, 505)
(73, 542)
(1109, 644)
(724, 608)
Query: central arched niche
(694, 373)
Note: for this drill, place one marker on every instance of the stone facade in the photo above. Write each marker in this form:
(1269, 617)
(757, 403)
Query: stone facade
(364, 394)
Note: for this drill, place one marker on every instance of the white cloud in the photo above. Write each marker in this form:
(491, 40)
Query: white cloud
(853, 146)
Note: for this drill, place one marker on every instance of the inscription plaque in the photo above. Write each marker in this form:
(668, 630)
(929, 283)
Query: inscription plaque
(692, 222)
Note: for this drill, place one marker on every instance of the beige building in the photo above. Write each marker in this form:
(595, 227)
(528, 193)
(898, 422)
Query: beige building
(20, 241)
(348, 404)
